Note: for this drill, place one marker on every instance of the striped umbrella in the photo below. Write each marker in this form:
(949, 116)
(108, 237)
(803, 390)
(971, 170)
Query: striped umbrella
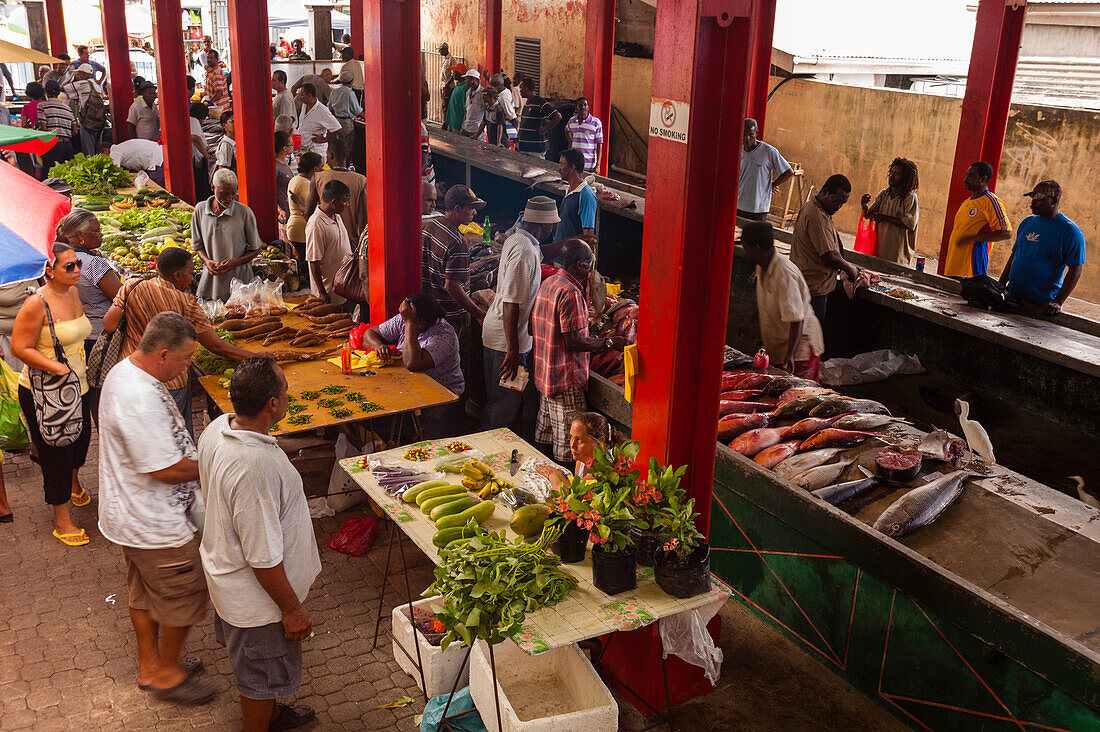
(29, 212)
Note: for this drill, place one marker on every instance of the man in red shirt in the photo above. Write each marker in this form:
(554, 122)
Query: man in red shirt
(559, 324)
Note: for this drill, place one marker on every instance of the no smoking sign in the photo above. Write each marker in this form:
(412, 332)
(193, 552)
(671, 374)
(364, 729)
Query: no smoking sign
(668, 119)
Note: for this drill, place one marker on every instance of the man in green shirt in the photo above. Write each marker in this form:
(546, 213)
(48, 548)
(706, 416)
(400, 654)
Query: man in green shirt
(456, 107)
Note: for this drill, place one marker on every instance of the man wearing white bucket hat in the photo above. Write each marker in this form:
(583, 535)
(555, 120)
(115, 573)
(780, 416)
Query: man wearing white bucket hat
(475, 104)
(505, 336)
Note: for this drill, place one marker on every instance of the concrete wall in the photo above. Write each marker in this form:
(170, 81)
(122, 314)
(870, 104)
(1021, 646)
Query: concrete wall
(454, 22)
(560, 26)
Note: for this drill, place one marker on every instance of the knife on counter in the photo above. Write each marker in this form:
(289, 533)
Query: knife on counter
(513, 464)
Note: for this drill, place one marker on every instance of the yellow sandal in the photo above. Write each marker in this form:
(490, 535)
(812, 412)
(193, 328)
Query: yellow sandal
(80, 538)
(80, 499)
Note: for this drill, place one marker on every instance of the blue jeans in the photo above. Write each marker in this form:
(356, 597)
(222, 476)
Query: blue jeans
(504, 407)
(819, 304)
(89, 141)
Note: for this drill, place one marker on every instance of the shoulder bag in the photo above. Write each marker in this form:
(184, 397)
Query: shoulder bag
(350, 282)
(57, 398)
(108, 349)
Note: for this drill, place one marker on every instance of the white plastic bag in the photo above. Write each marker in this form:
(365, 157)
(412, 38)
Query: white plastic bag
(141, 180)
(319, 508)
(867, 367)
(339, 481)
(685, 636)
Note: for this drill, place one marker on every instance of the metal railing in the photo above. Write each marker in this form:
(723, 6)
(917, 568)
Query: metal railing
(433, 67)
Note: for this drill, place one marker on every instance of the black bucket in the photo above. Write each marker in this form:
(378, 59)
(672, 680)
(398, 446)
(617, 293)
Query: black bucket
(648, 542)
(688, 579)
(614, 572)
(572, 544)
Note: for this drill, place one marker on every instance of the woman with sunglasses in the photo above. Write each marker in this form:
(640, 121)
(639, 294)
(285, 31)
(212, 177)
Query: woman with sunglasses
(33, 344)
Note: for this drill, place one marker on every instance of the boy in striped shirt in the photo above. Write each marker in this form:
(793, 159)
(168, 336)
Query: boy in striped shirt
(585, 133)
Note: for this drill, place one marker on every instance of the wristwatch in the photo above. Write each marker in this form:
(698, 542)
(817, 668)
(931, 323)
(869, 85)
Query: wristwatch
(609, 344)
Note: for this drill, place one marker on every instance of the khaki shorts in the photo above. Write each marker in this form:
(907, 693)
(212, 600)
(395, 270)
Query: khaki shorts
(168, 583)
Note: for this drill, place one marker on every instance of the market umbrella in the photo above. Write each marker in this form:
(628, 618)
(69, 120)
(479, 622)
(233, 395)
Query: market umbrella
(29, 212)
(23, 140)
(11, 53)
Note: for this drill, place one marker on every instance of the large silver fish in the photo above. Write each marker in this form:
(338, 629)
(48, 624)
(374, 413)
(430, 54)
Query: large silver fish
(841, 492)
(832, 406)
(921, 506)
(864, 421)
(942, 445)
(822, 475)
(795, 464)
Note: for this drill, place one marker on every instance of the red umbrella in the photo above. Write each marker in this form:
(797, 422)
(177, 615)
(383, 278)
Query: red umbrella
(29, 212)
(23, 140)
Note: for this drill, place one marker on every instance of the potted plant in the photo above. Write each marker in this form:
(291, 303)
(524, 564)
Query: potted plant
(682, 564)
(649, 497)
(571, 515)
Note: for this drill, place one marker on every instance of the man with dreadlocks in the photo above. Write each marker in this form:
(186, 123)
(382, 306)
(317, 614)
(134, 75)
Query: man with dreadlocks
(896, 211)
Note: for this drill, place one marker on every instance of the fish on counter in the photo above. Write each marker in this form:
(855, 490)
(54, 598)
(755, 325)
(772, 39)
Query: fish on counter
(860, 421)
(800, 391)
(832, 437)
(842, 492)
(833, 406)
(804, 428)
(778, 385)
(942, 445)
(732, 406)
(729, 378)
(733, 425)
(898, 465)
(740, 395)
(753, 441)
(821, 476)
(772, 456)
(800, 407)
(921, 506)
(802, 461)
(753, 381)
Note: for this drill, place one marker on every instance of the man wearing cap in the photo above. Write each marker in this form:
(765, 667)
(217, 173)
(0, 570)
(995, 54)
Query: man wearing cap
(500, 112)
(455, 111)
(143, 119)
(475, 104)
(81, 89)
(355, 68)
(1049, 254)
(446, 77)
(505, 334)
(345, 106)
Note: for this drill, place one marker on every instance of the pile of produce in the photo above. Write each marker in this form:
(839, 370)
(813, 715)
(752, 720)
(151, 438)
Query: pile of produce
(134, 238)
(211, 363)
(93, 176)
(489, 584)
(449, 506)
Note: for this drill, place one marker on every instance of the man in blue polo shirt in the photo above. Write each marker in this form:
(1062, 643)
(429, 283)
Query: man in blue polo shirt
(578, 209)
(1049, 254)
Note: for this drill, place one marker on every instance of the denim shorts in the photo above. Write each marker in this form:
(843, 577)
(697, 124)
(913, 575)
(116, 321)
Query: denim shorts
(265, 664)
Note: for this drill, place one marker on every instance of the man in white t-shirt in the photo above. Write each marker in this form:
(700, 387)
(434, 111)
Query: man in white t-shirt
(505, 336)
(150, 505)
(259, 551)
(760, 162)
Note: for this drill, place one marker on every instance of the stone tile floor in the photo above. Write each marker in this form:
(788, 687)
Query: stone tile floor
(68, 657)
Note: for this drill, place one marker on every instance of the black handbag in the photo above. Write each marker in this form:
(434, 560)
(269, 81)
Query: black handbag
(986, 293)
(57, 398)
(107, 349)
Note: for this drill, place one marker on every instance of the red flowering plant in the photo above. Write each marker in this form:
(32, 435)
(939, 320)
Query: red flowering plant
(652, 495)
(677, 522)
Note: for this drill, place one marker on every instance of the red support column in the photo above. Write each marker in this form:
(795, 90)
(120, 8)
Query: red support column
(117, 46)
(988, 97)
(687, 244)
(55, 22)
(763, 28)
(175, 124)
(391, 50)
(252, 111)
(357, 27)
(599, 37)
(491, 20)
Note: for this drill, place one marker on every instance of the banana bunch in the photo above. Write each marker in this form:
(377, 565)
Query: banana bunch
(475, 474)
(493, 487)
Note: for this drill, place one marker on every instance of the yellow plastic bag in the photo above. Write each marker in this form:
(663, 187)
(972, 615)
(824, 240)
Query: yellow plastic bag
(13, 432)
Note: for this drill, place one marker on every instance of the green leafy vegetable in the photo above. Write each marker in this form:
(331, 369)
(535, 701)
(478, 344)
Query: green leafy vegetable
(211, 363)
(95, 175)
(296, 407)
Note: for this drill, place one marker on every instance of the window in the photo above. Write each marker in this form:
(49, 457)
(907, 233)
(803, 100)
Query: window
(528, 55)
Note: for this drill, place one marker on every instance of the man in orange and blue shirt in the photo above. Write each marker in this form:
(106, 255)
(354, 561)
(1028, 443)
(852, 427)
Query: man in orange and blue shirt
(980, 221)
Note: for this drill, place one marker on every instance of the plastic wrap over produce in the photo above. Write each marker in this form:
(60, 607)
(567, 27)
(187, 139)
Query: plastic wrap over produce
(685, 636)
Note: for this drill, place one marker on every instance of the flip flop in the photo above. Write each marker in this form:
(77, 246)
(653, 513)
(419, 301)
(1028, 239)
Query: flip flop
(80, 499)
(189, 691)
(78, 539)
(190, 664)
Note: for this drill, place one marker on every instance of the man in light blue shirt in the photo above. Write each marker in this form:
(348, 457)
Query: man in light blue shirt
(755, 186)
(1049, 254)
(345, 105)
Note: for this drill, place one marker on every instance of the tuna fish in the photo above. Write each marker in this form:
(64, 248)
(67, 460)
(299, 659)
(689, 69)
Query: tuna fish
(821, 476)
(735, 424)
(775, 454)
(777, 386)
(753, 441)
(740, 395)
(921, 506)
(800, 407)
(801, 391)
(838, 405)
(803, 428)
(795, 464)
(841, 492)
(835, 438)
(942, 445)
(861, 421)
(729, 406)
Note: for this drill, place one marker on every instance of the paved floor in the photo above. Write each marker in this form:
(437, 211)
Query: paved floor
(68, 655)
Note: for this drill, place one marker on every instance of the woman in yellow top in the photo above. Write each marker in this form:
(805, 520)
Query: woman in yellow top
(31, 342)
(297, 195)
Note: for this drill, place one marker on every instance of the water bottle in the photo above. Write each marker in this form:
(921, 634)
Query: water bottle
(486, 235)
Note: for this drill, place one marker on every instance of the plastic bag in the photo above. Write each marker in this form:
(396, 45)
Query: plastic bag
(254, 298)
(319, 508)
(867, 367)
(356, 537)
(339, 481)
(866, 237)
(685, 636)
(355, 337)
(13, 433)
(462, 702)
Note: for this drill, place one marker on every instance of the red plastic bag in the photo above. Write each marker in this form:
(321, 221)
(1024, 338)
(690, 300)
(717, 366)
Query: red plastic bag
(866, 237)
(356, 537)
(355, 337)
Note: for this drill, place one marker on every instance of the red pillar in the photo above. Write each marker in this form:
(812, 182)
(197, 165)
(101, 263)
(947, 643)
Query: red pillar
(175, 123)
(687, 243)
(391, 50)
(763, 28)
(252, 111)
(117, 46)
(599, 37)
(988, 97)
(357, 27)
(55, 22)
(491, 20)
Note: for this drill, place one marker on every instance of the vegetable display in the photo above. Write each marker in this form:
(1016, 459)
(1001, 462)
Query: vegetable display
(211, 363)
(95, 175)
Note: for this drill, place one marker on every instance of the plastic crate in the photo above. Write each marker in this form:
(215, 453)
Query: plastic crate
(440, 667)
(557, 691)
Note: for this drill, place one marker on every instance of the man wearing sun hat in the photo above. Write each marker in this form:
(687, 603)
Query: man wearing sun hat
(505, 336)
(475, 104)
(455, 109)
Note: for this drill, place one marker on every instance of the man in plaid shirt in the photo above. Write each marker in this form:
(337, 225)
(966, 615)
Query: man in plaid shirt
(559, 324)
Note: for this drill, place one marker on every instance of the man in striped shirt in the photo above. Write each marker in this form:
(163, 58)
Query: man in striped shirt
(214, 86)
(536, 120)
(585, 133)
